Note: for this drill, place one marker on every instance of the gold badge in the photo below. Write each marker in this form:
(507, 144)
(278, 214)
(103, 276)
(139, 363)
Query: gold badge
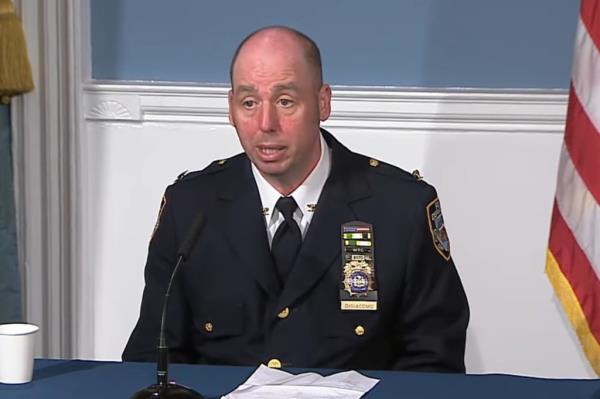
(357, 278)
(358, 289)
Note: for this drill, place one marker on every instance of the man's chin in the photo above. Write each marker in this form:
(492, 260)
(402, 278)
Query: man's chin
(269, 166)
(271, 170)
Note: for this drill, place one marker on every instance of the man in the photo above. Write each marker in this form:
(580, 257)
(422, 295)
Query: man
(311, 256)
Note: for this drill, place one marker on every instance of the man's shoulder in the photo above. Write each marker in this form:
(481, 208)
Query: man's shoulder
(382, 172)
(215, 170)
(212, 178)
(387, 173)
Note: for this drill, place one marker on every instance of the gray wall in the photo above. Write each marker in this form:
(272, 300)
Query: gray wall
(424, 43)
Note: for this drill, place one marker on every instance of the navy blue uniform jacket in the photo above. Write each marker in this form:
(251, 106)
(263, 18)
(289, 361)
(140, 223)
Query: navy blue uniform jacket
(226, 299)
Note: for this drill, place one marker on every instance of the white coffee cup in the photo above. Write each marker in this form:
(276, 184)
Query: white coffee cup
(16, 352)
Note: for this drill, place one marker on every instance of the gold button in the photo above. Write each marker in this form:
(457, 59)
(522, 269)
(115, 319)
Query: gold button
(208, 327)
(274, 364)
(284, 313)
(373, 162)
(222, 161)
(359, 330)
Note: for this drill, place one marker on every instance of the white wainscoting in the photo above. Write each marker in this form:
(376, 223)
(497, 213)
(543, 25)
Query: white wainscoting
(493, 157)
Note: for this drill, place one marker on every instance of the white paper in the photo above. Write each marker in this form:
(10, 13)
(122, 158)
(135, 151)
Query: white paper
(266, 383)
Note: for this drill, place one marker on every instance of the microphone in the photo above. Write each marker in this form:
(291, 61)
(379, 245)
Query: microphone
(163, 388)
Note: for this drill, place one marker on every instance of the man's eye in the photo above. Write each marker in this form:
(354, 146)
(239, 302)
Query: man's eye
(248, 103)
(285, 102)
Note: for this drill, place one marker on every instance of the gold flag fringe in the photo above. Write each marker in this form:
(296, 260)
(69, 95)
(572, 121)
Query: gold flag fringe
(15, 69)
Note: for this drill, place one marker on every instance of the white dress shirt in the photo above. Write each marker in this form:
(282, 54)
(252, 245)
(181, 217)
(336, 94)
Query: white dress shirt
(306, 195)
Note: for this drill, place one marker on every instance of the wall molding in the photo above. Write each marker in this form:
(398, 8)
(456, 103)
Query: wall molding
(49, 184)
(387, 108)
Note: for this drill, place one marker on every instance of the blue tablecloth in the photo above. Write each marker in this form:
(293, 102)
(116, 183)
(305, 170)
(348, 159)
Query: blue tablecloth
(86, 379)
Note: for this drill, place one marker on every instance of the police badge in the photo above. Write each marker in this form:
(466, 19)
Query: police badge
(438, 229)
(358, 289)
(357, 280)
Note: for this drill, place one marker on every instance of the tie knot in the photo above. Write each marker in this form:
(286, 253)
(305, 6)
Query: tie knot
(287, 206)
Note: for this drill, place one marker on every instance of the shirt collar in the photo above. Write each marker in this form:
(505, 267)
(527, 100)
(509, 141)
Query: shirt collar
(306, 195)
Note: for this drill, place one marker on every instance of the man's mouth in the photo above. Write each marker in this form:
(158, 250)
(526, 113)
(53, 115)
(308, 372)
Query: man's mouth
(270, 152)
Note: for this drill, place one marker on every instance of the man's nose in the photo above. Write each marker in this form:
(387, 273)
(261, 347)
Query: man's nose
(268, 118)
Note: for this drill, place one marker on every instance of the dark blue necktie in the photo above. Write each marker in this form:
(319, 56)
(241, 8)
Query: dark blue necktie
(287, 239)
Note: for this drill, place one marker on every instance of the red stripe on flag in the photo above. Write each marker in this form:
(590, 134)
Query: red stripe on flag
(583, 144)
(590, 16)
(577, 269)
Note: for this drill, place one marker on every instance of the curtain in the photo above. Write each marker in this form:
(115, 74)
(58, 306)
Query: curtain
(10, 283)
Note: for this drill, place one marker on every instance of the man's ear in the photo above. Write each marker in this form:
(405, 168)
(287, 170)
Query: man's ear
(230, 101)
(324, 102)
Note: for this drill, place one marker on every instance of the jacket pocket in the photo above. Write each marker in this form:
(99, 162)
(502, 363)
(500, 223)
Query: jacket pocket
(218, 319)
(348, 324)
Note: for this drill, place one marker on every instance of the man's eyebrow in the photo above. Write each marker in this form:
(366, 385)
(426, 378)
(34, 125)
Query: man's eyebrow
(284, 87)
(243, 89)
(249, 89)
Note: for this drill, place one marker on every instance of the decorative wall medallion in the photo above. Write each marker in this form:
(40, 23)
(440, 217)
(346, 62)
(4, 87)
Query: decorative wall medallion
(110, 110)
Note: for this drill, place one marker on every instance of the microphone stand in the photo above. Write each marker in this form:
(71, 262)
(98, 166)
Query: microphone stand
(163, 389)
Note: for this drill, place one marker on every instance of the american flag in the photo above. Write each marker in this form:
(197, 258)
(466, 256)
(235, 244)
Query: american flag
(573, 258)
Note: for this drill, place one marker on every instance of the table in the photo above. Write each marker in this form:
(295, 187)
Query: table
(66, 379)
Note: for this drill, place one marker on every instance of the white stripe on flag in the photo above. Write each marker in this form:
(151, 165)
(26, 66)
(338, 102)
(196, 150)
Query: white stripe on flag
(579, 209)
(586, 75)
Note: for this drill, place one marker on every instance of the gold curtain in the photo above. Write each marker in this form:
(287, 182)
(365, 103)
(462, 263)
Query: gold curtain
(15, 69)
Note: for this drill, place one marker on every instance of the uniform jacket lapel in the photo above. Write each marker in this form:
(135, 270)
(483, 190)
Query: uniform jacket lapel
(243, 223)
(322, 244)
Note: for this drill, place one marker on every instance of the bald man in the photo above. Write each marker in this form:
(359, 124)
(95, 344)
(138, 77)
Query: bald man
(312, 255)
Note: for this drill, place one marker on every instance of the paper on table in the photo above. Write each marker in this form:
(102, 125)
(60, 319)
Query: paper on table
(266, 383)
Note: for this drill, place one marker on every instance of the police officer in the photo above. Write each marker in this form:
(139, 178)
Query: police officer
(312, 255)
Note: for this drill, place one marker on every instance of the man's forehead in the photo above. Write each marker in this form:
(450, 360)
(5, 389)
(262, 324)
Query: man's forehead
(274, 71)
